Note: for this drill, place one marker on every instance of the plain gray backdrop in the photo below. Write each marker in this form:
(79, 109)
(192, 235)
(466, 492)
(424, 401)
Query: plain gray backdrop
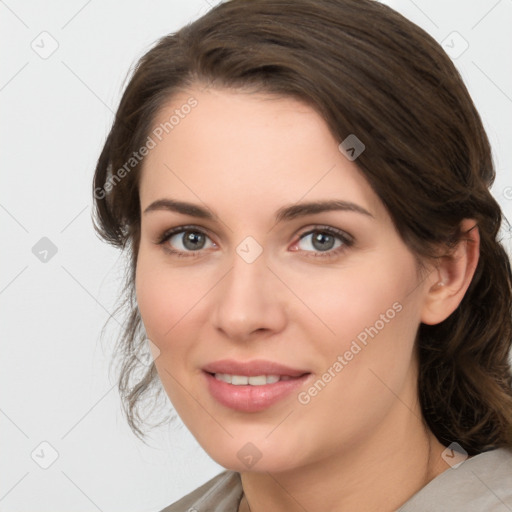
(65, 445)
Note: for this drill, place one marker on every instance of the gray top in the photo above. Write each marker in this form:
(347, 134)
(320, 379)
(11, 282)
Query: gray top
(482, 483)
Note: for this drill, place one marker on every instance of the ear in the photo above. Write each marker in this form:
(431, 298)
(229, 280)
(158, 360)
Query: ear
(452, 276)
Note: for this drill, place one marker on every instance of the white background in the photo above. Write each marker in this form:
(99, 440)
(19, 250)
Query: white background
(56, 113)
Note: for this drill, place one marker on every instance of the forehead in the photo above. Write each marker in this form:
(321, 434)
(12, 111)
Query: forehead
(247, 150)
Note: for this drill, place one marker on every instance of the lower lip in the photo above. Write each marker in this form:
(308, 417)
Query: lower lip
(247, 398)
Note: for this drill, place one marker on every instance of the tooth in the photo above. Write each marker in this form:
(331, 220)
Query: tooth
(239, 380)
(257, 380)
(243, 380)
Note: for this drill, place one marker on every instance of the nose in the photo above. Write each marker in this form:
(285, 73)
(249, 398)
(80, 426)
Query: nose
(249, 301)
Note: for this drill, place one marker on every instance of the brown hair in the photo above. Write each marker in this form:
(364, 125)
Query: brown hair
(368, 71)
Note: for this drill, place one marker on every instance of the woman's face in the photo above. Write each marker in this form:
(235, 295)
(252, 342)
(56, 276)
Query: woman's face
(251, 272)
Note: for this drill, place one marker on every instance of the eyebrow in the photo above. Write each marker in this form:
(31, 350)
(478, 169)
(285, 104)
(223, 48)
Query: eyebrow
(285, 213)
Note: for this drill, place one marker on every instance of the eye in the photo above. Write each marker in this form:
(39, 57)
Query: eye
(190, 241)
(323, 241)
(185, 239)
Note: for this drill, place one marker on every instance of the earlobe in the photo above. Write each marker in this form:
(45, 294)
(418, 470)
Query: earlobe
(451, 278)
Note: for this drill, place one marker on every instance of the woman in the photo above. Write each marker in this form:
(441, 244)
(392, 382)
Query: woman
(303, 190)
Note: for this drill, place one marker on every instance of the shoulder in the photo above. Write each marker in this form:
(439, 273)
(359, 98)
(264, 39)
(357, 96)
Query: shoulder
(482, 482)
(222, 493)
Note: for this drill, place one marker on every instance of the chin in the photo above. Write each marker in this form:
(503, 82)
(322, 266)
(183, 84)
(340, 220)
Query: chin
(249, 457)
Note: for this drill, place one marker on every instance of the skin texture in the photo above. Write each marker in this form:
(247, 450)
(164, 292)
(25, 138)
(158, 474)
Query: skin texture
(244, 156)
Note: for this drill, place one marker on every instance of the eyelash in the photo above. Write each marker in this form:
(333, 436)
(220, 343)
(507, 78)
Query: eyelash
(347, 241)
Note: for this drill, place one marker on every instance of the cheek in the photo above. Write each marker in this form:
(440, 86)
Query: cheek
(366, 362)
(360, 302)
(165, 299)
(173, 303)
(363, 328)
(153, 298)
(167, 305)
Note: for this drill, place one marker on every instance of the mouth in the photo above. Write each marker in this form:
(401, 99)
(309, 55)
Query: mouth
(253, 386)
(254, 368)
(253, 380)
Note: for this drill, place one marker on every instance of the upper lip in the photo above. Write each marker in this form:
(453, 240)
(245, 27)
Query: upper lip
(252, 368)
